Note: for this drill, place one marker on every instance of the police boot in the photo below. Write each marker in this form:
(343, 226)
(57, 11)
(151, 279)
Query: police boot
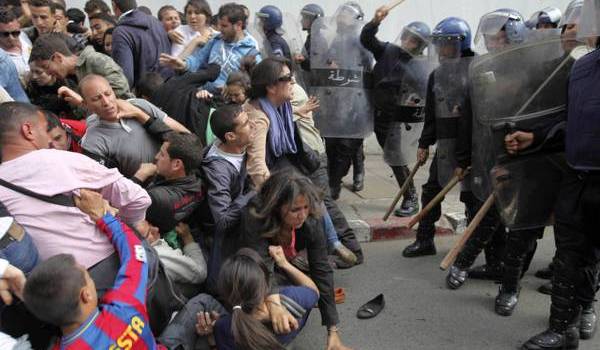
(486, 272)
(410, 204)
(456, 277)
(587, 325)
(564, 320)
(508, 294)
(419, 248)
(358, 171)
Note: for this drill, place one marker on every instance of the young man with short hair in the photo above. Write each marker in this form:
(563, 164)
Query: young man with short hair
(99, 24)
(226, 49)
(93, 7)
(42, 17)
(51, 51)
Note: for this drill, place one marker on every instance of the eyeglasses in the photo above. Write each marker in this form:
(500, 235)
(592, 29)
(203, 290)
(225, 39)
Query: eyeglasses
(15, 34)
(286, 78)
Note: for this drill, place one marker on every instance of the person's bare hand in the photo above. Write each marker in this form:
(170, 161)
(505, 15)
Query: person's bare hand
(183, 230)
(206, 322)
(335, 343)
(311, 105)
(172, 61)
(518, 141)
(201, 40)
(147, 170)
(175, 37)
(299, 58)
(460, 173)
(422, 155)
(91, 203)
(70, 96)
(203, 95)
(282, 321)
(276, 252)
(380, 14)
(128, 110)
(12, 282)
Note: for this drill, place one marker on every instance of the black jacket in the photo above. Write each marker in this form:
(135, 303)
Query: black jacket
(310, 237)
(173, 201)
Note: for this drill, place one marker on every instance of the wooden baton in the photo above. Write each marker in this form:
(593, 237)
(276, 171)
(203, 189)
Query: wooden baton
(403, 189)
(453, 253)
(393, 4)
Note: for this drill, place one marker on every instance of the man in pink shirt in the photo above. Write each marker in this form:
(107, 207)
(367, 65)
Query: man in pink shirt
(27, 162)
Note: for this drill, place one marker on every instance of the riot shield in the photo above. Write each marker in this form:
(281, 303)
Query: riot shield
(520, 88)
(401, 94)
(450, 102)
(341, 79)
(293, 36)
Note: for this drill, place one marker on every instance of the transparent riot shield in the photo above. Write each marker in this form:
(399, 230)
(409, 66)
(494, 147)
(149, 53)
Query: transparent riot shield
(520, 88)
(341, 79)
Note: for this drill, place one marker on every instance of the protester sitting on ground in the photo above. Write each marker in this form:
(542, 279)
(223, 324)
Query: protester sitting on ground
(169, 17)
(237, 87)
(287, 212)
(48, 177)
(43, 92)
(138, 41)
(51, 51)
(122, 133)
(186, 38)
(65, 134)
(176, 191)
(99, 24)
(15, 43)
(244, 284)
(226, 49)
(224, 176)
(184, 264)
(108, 41)
(61, 292)
(42, 17)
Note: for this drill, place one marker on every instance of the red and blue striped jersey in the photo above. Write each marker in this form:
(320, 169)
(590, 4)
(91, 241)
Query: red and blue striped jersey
(121, 321)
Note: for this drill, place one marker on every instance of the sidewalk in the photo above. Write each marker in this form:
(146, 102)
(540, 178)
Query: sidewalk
(364, 210)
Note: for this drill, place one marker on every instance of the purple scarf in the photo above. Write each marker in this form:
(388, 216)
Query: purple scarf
(281, 128)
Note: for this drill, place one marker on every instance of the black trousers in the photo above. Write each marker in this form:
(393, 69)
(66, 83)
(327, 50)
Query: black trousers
(520, 248)
(341, 154)
(576, 234)
(345, 233)
(382, 127)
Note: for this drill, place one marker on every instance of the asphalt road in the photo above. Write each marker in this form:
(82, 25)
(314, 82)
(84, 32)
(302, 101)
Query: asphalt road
(421, 313)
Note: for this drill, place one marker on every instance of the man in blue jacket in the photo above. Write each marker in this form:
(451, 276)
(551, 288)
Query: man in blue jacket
(226, 49)
(138, 41)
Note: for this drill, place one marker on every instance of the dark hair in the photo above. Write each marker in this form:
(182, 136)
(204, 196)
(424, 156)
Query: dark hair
(76, 16)
(109, 31)
(240, 79)
(148, 84)
(145, 9)
(125, 5)
(162, 10)
(7, 15)
(14, 114)
(186, 147)
(222, 120)
(52, 290)
(92, 6)
(53, 120)
(244, 282)
(60, 7)
(281, 189)
(233, 12)
(202, 6)
(44, 3)
(104, 17)
(266, 74)
(48, 44)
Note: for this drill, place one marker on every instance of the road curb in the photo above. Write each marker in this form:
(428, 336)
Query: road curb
(373, 230)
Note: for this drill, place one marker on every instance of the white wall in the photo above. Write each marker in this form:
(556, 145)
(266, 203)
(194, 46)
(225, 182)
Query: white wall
(428, 11)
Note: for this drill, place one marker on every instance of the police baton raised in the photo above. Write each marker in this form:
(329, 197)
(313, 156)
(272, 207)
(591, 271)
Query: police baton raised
(403, 189)
(437, 199)
(393, 4)
(453, 253)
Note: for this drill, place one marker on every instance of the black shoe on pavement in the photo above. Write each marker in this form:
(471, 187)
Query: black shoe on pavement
(419, 248)
(456, 277)
(358, 183)
(486, 272)
(335, 192)
(506, 301)
(545, 273)
(409, 207)
(587, 324)
(545, 288)
(549, 339)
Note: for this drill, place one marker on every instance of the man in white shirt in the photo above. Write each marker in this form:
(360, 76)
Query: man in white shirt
(15, 43)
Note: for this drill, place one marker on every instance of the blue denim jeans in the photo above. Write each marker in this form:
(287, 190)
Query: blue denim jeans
(332, 238)
(21, 254)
